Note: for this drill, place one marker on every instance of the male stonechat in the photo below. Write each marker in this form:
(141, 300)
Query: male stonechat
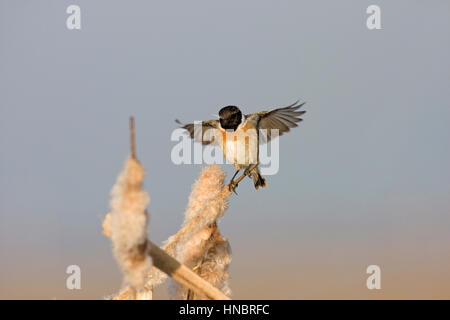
(239, 135)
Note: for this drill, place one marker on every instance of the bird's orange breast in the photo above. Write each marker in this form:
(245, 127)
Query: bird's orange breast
(240, 146)
(235, 134)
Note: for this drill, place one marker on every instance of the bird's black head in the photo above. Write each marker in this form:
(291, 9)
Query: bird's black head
(230, 117)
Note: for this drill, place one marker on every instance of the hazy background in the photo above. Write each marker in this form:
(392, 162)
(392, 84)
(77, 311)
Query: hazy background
(363, 180)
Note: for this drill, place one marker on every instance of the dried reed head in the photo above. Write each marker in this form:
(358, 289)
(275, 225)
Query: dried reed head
(209, 258)
(208, 185)
(128, 224)
(199, 244)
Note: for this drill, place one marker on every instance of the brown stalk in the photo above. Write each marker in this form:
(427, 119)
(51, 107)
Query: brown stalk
(183, 274)
(132, 139)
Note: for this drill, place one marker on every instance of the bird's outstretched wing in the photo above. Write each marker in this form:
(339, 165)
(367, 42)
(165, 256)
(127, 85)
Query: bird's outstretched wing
(204, 132)
(281, 119)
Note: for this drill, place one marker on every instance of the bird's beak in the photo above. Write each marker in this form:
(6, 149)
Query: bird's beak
(215, 116)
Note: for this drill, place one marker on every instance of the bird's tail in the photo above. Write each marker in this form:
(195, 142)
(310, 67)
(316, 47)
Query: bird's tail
(258, 179)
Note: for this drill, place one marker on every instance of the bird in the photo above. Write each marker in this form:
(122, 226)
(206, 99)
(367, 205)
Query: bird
(239, 135)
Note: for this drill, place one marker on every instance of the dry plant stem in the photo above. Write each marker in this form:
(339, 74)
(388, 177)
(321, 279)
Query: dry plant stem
(164, 261)
(183, 274)
(132, 139)
(197, 269)
(170, 247)
(174, 269)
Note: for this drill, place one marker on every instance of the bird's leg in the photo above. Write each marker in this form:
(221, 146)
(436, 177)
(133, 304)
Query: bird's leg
(231, 185)
(247, 170)
(234, 176)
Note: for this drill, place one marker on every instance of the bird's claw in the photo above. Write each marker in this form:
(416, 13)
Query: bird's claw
(247, 170)
(232, 187)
